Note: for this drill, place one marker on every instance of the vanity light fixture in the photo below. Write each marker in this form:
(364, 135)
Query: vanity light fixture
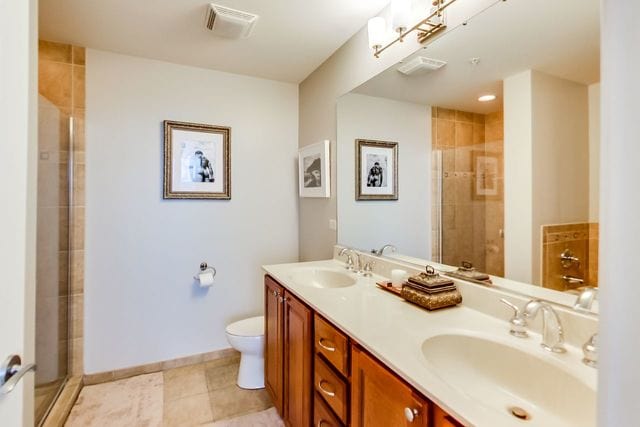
(486, 98)
(401, 11)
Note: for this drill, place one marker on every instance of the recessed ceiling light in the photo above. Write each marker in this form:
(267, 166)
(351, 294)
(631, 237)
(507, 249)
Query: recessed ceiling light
(486, 98)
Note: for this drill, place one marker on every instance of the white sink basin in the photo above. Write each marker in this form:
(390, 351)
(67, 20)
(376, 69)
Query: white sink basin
(322, 277)
(499, 377)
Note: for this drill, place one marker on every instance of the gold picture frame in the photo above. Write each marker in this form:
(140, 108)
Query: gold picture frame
(197, 161)
(376, 170)
(487, 172)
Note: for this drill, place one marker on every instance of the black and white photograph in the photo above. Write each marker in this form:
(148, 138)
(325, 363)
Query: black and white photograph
(197, 161)
(376, 170)
(314, 170)
(377, 167)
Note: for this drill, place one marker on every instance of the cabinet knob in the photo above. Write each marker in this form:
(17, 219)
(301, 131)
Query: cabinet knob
(410, 414)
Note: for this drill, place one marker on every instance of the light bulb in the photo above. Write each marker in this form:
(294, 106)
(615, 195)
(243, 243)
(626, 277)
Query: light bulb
(376, 28)
(486, 98)
(401, 15)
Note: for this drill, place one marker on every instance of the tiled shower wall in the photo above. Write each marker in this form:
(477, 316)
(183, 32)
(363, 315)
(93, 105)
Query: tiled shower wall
(579, 238)
(471, 225)
(61, 80)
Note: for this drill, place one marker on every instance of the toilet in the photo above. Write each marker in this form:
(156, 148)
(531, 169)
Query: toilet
(247, 336)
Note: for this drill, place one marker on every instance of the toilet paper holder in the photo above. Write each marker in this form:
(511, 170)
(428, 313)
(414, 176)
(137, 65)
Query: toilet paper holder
(204, 267)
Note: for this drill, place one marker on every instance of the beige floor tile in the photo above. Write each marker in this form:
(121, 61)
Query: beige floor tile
(184, 382)
(221, 376)
(134, 401)
(232, 401)
(267, 418)
(188, 411)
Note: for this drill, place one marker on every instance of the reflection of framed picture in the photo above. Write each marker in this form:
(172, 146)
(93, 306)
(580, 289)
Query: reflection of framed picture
(487, 171)
(314, 170)
(197, 161)
(376, 170)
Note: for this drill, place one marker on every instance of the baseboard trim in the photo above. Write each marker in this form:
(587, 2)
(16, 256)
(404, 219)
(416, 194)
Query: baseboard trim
(118, 374)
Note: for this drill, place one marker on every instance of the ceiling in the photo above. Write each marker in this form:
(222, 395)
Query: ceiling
(561, 38)
(290, 40)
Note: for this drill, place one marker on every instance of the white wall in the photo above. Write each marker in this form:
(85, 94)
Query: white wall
(560, 156)
(349, 67)
(141, 305)
(405, 222)
(594, 152)
(518, 177)
(546, 164)
(618, 367)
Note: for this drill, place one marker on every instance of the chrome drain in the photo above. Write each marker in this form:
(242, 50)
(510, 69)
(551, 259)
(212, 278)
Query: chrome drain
(519, 413)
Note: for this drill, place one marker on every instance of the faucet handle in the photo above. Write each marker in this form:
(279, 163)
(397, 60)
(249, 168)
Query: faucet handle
(349, 262)
(368, 268)
(518, 322)
(590, 351)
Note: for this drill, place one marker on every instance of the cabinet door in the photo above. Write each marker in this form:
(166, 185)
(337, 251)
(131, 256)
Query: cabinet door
(274, 344)
(297, 362)
(379, 398)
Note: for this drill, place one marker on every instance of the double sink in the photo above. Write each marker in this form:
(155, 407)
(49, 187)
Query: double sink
(503, 374)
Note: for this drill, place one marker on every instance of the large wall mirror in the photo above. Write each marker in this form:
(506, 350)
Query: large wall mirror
(509, 184)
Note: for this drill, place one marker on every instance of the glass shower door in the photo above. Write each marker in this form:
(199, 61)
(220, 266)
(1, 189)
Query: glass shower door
(52, 251)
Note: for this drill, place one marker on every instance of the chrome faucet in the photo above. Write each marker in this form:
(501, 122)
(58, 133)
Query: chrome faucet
(585, 299)
(518, 323)
(354, 262)
(380, 252)
(590, 352)
(552, 332)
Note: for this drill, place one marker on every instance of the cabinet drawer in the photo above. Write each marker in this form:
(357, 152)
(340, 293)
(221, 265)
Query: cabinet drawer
(332, 344)
(442, 419)
(331, 388)
(322, 415)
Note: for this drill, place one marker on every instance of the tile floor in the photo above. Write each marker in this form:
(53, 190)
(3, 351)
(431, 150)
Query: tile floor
(188, 396)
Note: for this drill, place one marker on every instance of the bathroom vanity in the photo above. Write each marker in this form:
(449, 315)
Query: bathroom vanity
(340, 351)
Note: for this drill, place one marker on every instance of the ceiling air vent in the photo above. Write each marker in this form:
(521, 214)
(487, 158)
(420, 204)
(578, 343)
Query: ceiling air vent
(421, 64)
(230, 23)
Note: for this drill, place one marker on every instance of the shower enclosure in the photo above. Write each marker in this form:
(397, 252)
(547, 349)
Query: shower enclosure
(54, 218)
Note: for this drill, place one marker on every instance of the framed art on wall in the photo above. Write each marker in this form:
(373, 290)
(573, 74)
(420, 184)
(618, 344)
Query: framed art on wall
(376, 170)
(314, 170)
(487, 169)
(197, 161)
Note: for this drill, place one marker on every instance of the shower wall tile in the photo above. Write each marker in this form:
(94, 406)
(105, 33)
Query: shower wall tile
(77, 272)
(78, 55)
(468, 231)
(57, 52)
(54, 82)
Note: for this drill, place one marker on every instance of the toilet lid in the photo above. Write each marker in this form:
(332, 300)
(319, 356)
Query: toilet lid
(252, 327)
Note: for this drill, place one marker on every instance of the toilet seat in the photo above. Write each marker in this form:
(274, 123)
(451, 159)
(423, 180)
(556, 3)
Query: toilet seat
(251, 327)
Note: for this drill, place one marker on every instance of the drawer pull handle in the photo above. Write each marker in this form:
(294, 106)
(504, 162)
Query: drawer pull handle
(324, 346)
(323, 422)
(410, 414)
(325, 391)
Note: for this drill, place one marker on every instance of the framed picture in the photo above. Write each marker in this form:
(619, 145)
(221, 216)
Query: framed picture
(314, 170)
(197, 161)
(487, 170)
(376, 170)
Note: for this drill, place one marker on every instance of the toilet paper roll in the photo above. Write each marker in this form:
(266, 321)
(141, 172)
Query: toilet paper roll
(206, 279)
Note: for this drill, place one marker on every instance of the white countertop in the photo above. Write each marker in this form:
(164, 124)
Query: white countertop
(394, 331)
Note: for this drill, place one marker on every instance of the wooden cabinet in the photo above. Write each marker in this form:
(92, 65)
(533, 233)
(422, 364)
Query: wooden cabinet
(304, 352)
(442, 419)
(288, 354)
(297, 362)
(379, 398)
(274, 343)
